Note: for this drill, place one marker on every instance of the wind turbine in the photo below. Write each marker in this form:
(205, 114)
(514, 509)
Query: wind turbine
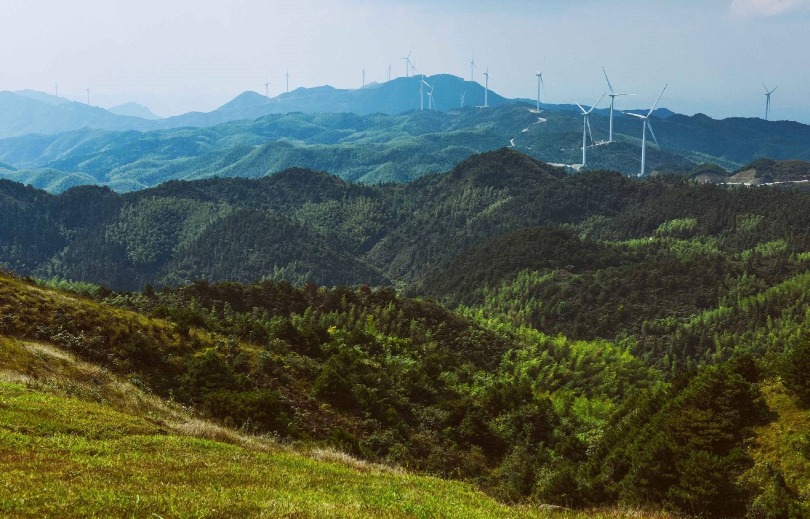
(472, 70)
(768, 100)
(463, 95)
(287, 78)
(644, 127)
(88, 95)
(407, 62)
(431, 99)
(364, 77)
(389, 72)
(539, 83)
(486, 88)
(413, 66)
(267, 89)
(56, 89)
(586, 127)
(613, 95)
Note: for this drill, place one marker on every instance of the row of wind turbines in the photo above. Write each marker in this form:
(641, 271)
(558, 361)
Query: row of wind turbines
(586, 125)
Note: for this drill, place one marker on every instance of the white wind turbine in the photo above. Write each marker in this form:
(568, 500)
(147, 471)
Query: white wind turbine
(613, 95)
(267, 89)
(287, 78)
(486, 88)
(539, 84)
(646, 119)
(586, 127)
(472, 70)
(407, 60)
(768, 100)
(364, 77)
(463, 95)
(431, 99)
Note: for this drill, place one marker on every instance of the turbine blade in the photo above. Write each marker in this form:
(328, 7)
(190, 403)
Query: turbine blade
(656, 101)
(589, 130)
(597, 103)
(580, 107)
(541, 82)
(634, 115)
(608, 81)
(653, 134)
(774, 89)
(766, 88)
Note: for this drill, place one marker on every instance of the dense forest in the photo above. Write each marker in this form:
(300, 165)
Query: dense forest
(585, 340)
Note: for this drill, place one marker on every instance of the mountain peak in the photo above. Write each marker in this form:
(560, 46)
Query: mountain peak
(134, 110)
(504, 167)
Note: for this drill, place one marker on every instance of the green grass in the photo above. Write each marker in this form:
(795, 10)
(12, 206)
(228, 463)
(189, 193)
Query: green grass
(64, 456)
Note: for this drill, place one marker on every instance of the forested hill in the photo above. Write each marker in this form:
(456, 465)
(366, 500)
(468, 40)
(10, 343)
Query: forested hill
(431, 237)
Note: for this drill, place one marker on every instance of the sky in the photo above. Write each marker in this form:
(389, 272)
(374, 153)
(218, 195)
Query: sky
(176, 56)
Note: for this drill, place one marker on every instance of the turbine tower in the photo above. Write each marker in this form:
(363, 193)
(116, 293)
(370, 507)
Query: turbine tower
(486, 88)
(267, 89)
(613, 95)
(287, 78)
(364, 77)
(646, 119)
(472, 70)
(56, 89)
(539, 83)
(88, 96)
(586, 127)
(768, 100)
(389, 72)
(422, 84)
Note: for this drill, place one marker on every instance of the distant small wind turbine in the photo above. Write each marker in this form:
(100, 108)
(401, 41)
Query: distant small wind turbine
(539, 84)
(586, 127)
(364, 77)
(486, 88)
(768, 100)
(646, 119)
(88, 96)
(413, 66)
(287, 78)
(613, 95)
(267, 89)
(407, 60)
(431, 98)
(422, 85)
(389, 72)
(472, 70)
(56, 89)
(463, 95)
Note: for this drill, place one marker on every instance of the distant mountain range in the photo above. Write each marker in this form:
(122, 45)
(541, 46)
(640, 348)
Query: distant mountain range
(370, 135)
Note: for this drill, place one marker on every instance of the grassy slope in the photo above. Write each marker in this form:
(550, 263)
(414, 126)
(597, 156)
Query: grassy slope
(78, 440)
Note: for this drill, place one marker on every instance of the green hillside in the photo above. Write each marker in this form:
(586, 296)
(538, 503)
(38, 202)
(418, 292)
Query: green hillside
(305, 226)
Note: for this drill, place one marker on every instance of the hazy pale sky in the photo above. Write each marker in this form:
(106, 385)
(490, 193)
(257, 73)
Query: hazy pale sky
(181, 55)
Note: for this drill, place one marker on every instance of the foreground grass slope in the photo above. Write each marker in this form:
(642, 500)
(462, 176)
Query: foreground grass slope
(63, 455)
(78, 441)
